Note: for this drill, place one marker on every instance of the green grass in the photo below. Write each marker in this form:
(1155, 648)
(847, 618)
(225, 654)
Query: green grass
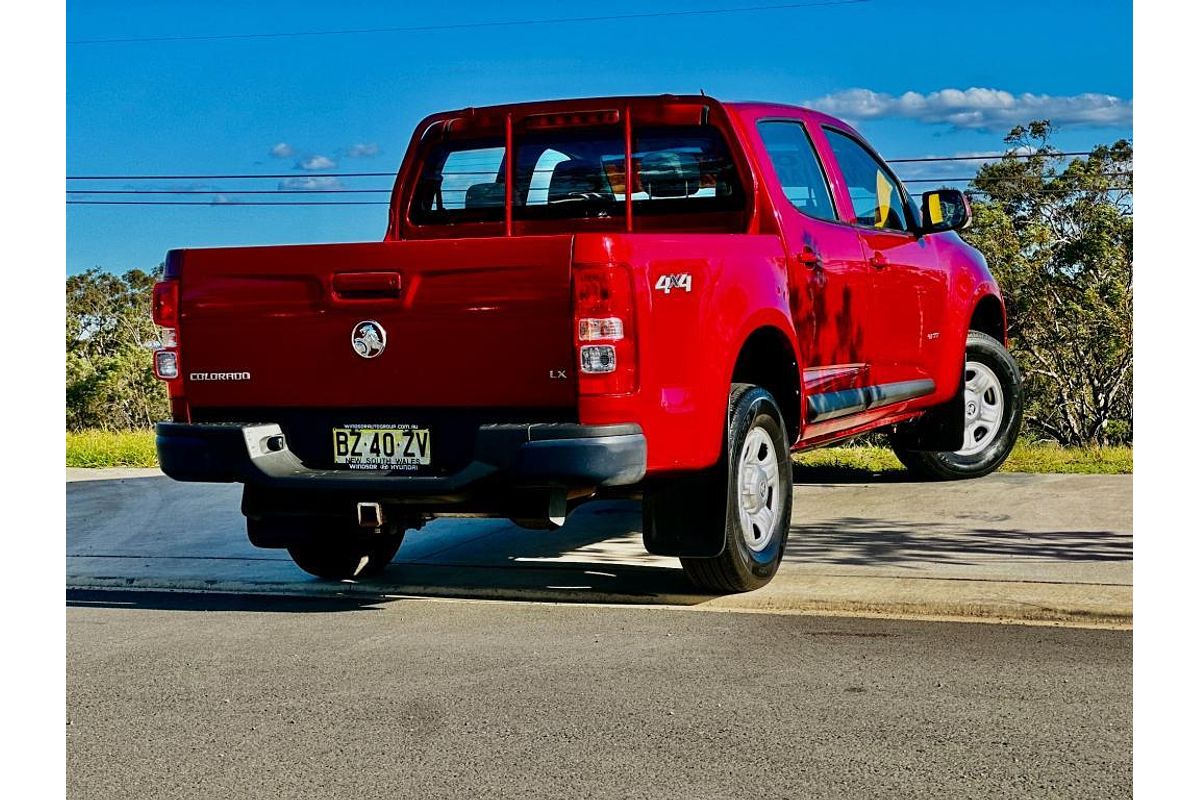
(111, 449)
(1047, 458)
(136, 449)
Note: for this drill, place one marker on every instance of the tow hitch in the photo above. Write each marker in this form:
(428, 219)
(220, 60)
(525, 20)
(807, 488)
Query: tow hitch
(370, 515)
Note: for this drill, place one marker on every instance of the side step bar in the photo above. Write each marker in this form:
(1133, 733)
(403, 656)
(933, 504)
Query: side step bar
(831, 405)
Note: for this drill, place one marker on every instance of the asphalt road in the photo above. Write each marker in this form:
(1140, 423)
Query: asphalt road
(211, 696)
(1053, 548)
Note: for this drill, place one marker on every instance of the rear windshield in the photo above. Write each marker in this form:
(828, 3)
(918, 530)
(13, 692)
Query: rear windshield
(579, 173)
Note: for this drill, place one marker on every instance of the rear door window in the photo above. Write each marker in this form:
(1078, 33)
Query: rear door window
(797, 168)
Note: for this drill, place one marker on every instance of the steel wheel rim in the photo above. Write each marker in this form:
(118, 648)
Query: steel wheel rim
(983, 401)
(759, 499)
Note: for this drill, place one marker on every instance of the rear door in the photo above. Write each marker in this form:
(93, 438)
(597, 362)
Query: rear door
(909, 283)
(829, 283)
(469, 323)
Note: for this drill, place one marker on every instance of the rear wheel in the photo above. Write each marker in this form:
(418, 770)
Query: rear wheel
(756, 477)
(340, 558)
(992, 402)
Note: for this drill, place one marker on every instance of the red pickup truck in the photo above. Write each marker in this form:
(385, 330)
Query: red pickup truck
(650, 296)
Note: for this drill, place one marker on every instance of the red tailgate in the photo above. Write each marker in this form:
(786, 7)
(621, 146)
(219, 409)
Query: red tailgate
(480, 322)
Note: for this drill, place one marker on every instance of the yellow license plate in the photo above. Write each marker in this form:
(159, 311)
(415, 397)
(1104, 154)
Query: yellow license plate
(380, 447)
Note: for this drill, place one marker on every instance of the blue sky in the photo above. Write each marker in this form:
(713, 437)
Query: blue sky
(221, 106)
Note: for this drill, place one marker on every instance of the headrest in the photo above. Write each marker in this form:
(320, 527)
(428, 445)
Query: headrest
(667, 174)
(575, 177)
(484, 195)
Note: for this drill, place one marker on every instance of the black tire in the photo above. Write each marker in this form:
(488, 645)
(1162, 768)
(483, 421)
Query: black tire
(339, 558)
(959, 464)
(739, 567)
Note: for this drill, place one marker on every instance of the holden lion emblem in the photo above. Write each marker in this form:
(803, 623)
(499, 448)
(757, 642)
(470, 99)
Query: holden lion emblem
(368, 338)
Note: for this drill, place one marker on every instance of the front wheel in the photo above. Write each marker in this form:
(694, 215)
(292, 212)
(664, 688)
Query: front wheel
(757, 482)
(992, 403)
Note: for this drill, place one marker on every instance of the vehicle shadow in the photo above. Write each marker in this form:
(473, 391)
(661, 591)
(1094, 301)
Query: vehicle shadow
(876, 542)
(150, 599)
(596, 557)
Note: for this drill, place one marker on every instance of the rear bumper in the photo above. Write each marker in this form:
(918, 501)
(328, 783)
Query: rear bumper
(516, 456)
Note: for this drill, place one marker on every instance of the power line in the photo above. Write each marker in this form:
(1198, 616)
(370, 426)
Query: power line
(991, 157)
(217, 204)
(239, 176)
(1013, 178)
(340, 190)
(229, 191)
(471, 25)
(1058, 190)
(293, 175)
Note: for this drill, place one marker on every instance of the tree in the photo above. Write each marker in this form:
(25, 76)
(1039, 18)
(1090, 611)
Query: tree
(110, 344)
(1058, 235)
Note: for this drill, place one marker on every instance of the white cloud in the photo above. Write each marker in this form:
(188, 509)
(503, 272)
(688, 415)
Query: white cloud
(362, 150)
(977, 108)
(283, 150)
(311, 182)
(317, 162)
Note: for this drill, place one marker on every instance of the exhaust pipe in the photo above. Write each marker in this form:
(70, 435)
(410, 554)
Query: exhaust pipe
(370, 515)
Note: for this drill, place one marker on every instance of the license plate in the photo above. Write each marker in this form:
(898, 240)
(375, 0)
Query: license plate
(404, 447)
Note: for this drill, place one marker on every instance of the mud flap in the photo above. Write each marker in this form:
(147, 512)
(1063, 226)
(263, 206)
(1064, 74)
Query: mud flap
(685, 516)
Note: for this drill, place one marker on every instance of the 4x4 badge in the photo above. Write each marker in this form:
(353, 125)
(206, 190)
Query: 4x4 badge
(368, 338)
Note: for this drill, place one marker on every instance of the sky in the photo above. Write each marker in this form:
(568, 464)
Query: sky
(915, 78)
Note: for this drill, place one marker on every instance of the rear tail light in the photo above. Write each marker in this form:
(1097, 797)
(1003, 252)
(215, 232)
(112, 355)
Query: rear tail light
(166, 364)
(598, 359)
(164, 307)
(604, 330)
(592, 329)
(164, 304)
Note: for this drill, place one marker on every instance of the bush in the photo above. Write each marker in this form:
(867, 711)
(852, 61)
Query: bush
(110, 345)
(1059, 240)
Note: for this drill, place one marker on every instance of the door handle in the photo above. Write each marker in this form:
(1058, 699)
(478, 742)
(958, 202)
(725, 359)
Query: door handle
(809, 257)
(365, 285)
(879, 260)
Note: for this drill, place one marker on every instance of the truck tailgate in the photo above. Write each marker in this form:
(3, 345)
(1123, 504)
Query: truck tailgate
(467, 323)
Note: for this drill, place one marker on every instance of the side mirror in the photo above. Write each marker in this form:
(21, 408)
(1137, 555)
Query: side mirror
(944, 210)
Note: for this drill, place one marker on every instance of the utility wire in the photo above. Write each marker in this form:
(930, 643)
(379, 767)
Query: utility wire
(999, 179)
(229, 191)
(231, 176)
(988, 157)
(470, 25)
(213, 203)
(279, 175)
(1014, 178)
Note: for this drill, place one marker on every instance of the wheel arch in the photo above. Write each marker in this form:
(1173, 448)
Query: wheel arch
(989, 317)
(767, 358)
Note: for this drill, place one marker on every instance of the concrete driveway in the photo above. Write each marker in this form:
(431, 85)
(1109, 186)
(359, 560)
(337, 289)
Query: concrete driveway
(1009, 547)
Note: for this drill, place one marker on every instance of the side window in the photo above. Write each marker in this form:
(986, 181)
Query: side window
(466, 181)
(472, 179)
(798, 168)
(877, 198)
